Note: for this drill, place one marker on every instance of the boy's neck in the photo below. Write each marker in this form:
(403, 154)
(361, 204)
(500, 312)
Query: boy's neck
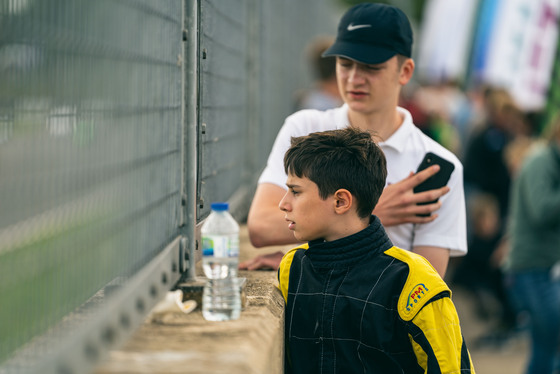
(383, 124)
(348, 227)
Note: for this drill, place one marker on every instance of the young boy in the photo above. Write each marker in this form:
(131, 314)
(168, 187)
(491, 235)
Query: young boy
(354, 302)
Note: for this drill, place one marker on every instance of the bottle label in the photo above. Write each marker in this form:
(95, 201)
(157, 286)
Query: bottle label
(220, 245)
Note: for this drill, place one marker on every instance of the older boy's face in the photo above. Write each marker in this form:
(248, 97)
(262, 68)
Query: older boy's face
(307, 215)
(368, 88)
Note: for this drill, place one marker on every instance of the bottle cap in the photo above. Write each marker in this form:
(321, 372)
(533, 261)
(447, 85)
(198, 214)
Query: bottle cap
(220, 207)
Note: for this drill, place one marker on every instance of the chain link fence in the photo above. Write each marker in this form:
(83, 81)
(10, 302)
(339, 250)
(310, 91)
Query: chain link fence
(120, 122)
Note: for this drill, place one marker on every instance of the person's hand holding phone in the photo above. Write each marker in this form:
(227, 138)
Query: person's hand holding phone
(436, 181)
(399, 204)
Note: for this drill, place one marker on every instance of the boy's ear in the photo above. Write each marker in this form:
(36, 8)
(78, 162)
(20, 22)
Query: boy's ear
(342, 200)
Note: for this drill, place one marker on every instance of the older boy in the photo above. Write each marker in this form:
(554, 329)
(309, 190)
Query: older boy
(373, 52)
(356, 303)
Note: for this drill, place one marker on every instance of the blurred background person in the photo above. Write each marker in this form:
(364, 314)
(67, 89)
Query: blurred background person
(533, 261)
(479, 272)
(324, 92)
(486, 170)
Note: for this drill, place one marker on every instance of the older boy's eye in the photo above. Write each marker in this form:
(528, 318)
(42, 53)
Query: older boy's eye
(345, 63)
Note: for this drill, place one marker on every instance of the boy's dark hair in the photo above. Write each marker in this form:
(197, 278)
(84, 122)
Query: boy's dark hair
(347, 158)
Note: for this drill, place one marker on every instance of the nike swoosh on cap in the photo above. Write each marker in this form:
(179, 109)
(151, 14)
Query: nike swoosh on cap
(354, 27)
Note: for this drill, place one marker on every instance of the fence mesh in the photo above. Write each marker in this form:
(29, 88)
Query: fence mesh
(92, 127)
(90, 115)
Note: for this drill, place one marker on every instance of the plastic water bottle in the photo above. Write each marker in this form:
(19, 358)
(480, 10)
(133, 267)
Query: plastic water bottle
(220, 243)
(221, 297)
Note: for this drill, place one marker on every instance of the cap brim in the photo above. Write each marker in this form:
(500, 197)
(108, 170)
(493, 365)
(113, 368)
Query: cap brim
(363, 53)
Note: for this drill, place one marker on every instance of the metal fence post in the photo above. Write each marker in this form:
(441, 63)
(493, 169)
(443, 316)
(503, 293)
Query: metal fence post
(190, 128)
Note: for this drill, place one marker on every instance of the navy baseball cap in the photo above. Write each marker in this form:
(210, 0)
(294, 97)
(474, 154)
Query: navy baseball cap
(372, 33)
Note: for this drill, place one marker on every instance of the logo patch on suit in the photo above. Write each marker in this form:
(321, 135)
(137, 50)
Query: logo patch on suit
(418, 292)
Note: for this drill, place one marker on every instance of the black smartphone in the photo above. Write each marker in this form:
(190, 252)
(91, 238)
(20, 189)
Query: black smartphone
(437, 180)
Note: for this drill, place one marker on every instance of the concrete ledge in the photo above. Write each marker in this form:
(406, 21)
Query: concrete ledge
(254, 343)
(181, 343)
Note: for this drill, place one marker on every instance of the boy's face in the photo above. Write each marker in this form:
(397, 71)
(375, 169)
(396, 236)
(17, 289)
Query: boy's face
(369, 88)
(307, 215)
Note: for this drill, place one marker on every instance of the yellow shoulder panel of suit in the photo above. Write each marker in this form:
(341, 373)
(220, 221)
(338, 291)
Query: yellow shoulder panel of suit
(422, 284)
(284, 270)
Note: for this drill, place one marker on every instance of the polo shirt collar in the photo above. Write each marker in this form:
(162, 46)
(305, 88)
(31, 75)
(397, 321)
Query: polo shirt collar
(398, 140)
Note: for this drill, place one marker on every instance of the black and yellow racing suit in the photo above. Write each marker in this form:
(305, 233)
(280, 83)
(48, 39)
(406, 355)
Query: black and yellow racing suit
(361, 305)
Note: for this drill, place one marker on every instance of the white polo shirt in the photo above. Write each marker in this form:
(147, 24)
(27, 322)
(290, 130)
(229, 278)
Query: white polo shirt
(404, 151)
